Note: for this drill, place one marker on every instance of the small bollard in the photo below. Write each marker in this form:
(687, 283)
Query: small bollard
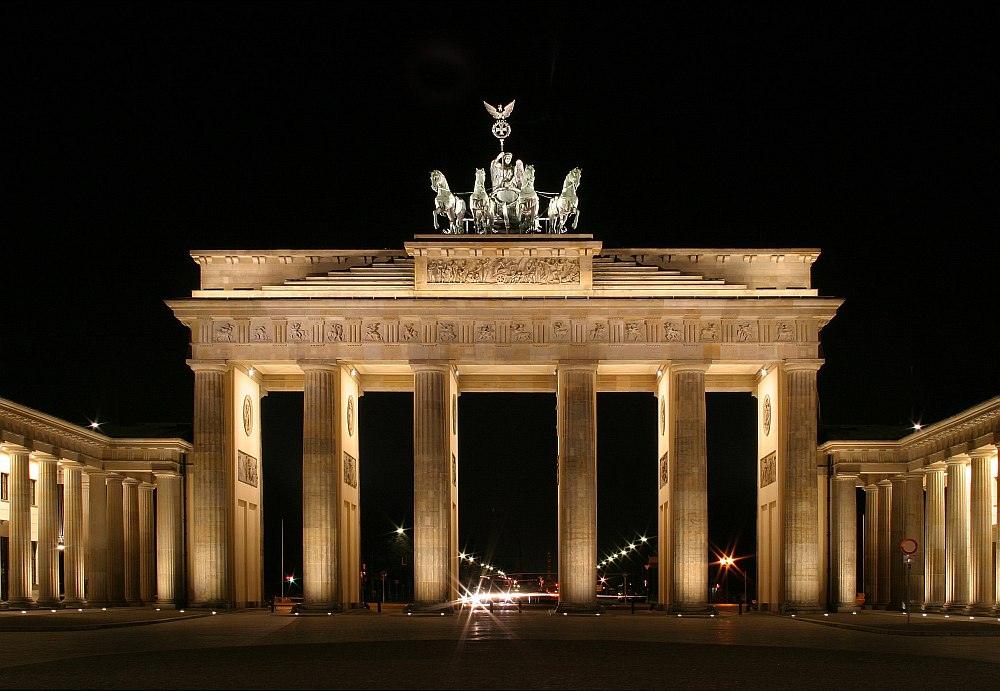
(380, 607)
(632, 606)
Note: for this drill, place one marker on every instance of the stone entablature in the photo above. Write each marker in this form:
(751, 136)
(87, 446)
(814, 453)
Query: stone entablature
(505, 266)
(972, 429)
(40, 433)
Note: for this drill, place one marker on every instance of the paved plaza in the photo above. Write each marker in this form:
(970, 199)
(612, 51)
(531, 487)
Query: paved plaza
(144, 649)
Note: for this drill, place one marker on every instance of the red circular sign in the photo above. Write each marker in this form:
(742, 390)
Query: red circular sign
(909, 545)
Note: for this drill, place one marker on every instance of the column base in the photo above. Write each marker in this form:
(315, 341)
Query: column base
(75, 604)
(167, 604)
(434, 609)
(218, 606)
(693, 610)
(846, 609)
(581, 609)
(931, 607)
(318, 608)
(800, 608)
(978, 610)
(21, 604)
(50, 603)
(954, 607)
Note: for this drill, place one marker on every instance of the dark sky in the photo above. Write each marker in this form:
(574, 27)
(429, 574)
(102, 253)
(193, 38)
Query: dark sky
(136, 132)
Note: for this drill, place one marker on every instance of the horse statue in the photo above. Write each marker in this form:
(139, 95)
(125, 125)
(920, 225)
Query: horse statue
(479, 204)
(527, 203)
(565, 204)
(447, 204)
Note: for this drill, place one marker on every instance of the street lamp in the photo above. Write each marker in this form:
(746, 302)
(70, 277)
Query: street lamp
(728, 562)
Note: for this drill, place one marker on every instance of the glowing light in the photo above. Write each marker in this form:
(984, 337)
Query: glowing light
(94, 424)
(250, 371)
(917, 426)
(399, 531)
(763, 371)
(354, 372)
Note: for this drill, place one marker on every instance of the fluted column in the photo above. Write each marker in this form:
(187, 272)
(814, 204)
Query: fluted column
(800, 530)
(982, 596)
(689, 488)
(934, 535)
(19, 493)
(871, 544)
(844, 542)
(169, 540)
(116, 541)
(956, 538)
(897, 526)
(211, 487)
(97, 539)
(885, 546)
(130, 522)
(914, 528)
(147, 543)
(47, 498)
(73, 544)
(320, 488)
(576, 413)
(431, 482)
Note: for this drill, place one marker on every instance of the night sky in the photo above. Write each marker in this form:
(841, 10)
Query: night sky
(137, 132)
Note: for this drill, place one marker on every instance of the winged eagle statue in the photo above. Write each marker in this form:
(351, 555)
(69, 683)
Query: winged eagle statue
(501, 129)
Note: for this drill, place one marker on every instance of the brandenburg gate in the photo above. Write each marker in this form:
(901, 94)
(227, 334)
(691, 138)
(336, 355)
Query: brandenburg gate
(514, 312)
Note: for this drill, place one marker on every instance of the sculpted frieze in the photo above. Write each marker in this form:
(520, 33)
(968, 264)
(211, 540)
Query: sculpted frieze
(709, 332)
(486, 332)
(635, 331)
(671, 332)
(783, 331)
(768, 469)
(350, 470)
(504, 270)
(373, 332)
(560, 330)
(528, 330)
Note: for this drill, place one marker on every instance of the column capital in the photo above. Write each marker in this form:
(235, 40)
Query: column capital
(846, 476)
(312, 365)
(146, 485)
(936, 467)
(689, 365)
(589, 365)
(165, 473)
(872, 487)
(208, 366)
(443, 366)
(12, 447)
(66, 463)
(130, 481)
(987, 452)
(804, 364)
(958, 459)
(885, 482)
